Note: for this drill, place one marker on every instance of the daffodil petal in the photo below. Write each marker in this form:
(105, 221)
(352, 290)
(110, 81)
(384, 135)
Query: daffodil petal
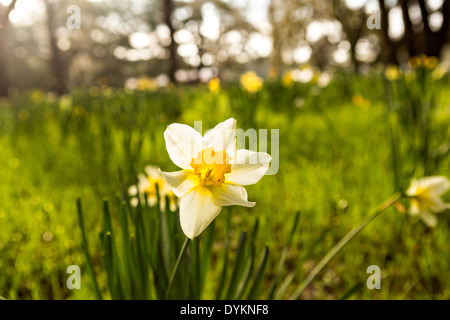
(429, 219)
(173, 206)
(435, 185)
(132, 190)
(167, 189)
(414, 208)
(134, 202)
(222, 137)
(197, 211)
(412, 190)
(181, 181)
(153, 200)
(248, 167)
(182, 143)
(143, 182)
(437, 205)
(230, 195)
(151, 171)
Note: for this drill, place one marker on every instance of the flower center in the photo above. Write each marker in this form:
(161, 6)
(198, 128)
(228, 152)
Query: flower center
(211, 166)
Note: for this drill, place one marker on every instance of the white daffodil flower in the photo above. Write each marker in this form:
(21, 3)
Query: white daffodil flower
(425, 196)
(213, 174)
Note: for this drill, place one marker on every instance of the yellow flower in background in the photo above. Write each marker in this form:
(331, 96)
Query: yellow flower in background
(430, 62)
(214, 172)
(425, 196)
(272, 73)
(423, 61)
(106, 90)
(145, 83)
(414, 62)
(37, 96)
(147, 185)
(251, 82)
(324, 79)
(439, 72)
(287, 80)
(214, 85)
(94, 91)
(410, 76)
(392, 72)
(78, 111)
(23, 114)
(359, 101)
(315, 77)
(65, 102)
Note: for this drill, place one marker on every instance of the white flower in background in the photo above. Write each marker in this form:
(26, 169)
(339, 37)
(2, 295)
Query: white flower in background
(425, 196)
(213, 174)
(147, 185)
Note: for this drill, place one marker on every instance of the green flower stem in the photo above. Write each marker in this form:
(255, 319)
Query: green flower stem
(338, 247)
(175, 269)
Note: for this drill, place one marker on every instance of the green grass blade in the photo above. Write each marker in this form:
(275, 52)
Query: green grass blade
(221, 287)
(109, 266)
(111, 252)
(254, 291)
(206, 255)
(283, 257)
(107, 225)
(239, 267)
(195, 268)
(251, 260)
(175, 269)
(342, 243)
(243, 284)
(141, 255)
(85, 247)
(166, 238)
(129, 279)
(351, 292)
(288, 280)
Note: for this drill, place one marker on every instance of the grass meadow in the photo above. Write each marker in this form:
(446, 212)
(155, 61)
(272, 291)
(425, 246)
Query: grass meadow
(344, 148)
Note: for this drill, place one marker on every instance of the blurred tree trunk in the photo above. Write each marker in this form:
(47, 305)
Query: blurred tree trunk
(173, 65)
(58, 80)
(201, 52)
(416, 41)
(4, 21)
(435, 40)
(276, 61)
(409, 38)
(390, 47)
(353, 23)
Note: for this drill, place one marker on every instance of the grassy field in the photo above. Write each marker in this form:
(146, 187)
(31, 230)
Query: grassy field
(335, 168)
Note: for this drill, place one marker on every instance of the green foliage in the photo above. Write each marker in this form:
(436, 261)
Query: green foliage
(143, 266)
(335, 167)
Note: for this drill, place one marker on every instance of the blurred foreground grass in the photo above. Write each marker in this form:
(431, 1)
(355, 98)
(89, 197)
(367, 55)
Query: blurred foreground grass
(335, 167)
